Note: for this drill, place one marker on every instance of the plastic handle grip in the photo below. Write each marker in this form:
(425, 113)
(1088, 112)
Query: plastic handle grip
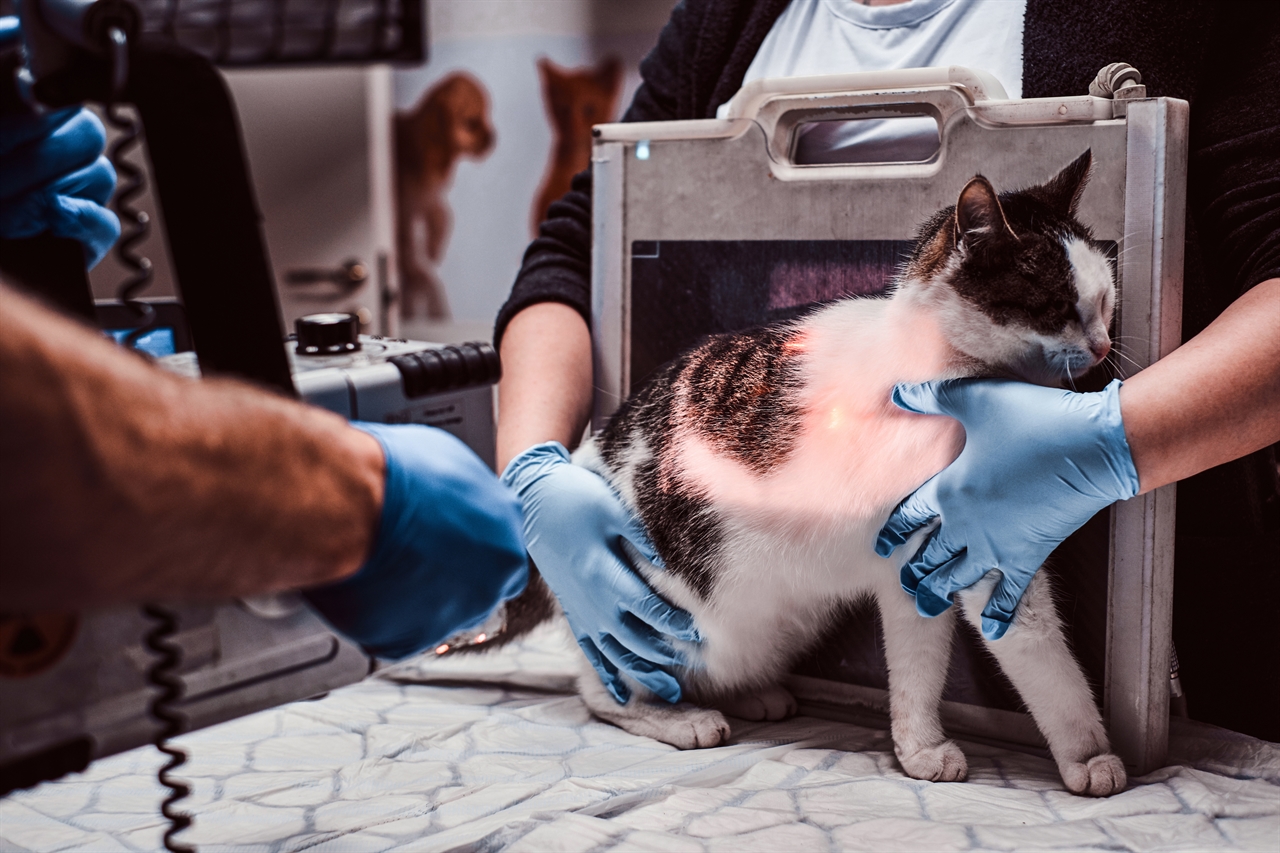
(979, 85)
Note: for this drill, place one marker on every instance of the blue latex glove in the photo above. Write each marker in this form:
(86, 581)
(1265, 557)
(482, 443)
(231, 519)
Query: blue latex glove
(582, 540)
(53, 177)
(448, 550)
(1037, 464)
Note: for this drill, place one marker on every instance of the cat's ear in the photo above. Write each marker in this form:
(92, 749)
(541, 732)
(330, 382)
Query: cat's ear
(978, 212)
(548, 71)
(1063, 191)
(553, 82)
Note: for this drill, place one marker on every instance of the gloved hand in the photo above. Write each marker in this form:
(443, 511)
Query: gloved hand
(582, 539)
(53, 177)
(1037, 464)
(447, 552)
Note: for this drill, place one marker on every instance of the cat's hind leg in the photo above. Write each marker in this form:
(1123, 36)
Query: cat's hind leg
(1035, 657)
(766, 703)
(918, 652)
(683, 725)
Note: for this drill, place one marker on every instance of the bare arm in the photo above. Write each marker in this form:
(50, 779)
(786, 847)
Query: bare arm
(1214, 399)
(123, 482)
(545, 392)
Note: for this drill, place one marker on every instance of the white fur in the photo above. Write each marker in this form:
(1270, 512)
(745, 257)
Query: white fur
(799, 539)
(1095, 283)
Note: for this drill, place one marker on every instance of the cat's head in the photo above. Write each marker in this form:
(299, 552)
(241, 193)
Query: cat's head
(1022, 284)
(578, 98)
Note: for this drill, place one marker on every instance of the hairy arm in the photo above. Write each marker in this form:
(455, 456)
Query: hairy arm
(123, 482)
(1214, 399)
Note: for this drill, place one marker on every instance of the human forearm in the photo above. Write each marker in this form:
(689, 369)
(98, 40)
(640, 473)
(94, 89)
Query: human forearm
(545, 392)
(1214, 399)
(123, 482)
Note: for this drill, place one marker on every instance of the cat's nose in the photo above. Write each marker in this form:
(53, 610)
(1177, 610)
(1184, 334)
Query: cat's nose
(1100, 348)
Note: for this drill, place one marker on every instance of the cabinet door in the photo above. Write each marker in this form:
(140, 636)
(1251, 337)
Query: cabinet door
(318, 142)
(319, 149)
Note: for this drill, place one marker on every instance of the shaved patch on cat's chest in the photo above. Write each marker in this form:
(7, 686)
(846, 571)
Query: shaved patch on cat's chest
(739, 393)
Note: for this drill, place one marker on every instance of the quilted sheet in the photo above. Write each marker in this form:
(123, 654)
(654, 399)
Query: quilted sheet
(496, 752)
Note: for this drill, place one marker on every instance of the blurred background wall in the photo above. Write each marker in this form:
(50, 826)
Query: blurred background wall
(472, 164)
(499, 43)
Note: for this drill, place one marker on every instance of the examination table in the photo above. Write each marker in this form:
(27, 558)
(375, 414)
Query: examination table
(495, 751)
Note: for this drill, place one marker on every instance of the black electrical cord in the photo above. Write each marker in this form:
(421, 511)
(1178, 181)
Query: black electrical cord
(135, 225)
(162, 674)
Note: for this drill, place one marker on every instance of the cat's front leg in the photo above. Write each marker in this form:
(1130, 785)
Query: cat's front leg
(918, 652)
(1035, 656)
(683, 725)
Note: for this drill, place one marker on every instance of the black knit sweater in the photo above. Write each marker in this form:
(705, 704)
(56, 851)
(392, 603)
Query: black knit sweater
(1224, 58)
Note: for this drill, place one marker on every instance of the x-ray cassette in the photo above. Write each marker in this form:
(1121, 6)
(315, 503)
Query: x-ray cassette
(717, 225)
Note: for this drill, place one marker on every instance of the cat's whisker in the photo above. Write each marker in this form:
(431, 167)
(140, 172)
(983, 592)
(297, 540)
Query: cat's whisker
(1119, 344)
(1129, 358)
(1113, 368)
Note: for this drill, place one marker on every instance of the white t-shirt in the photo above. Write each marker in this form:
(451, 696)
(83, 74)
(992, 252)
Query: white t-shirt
(815, 37)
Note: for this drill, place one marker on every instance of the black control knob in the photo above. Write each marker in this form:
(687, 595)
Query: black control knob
(327, 334)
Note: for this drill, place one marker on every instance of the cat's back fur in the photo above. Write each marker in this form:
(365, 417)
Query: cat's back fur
(764, 464)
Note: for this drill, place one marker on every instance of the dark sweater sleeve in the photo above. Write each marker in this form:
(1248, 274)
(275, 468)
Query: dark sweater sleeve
(557, 265)
(1234, 169)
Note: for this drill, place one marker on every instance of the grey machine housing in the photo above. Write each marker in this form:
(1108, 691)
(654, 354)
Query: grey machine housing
(736, 179)
(242, 656)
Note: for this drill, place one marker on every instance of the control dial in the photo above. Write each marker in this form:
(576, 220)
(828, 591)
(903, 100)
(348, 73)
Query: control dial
(327, 334)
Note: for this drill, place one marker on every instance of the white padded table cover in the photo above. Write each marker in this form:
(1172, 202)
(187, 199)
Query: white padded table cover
(496, 752)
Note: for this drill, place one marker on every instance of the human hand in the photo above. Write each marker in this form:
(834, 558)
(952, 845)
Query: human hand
(582, 540)
(53, 177)
(1037, 464)
(448, 548)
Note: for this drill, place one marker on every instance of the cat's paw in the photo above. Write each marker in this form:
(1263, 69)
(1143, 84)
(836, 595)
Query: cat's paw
(1100, 776)
(698, 728)
(942, 763)
(771, 703)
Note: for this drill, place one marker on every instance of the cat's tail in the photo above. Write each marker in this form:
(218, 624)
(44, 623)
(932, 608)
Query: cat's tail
(531, 608)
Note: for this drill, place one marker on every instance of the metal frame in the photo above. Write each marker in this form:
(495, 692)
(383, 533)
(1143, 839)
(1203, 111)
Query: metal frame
(1139, 633)
(733, 179)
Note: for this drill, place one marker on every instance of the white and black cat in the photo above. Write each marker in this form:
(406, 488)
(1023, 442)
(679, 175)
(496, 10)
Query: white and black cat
(764, 463)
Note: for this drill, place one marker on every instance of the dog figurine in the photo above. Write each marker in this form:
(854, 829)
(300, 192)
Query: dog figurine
(451, 121)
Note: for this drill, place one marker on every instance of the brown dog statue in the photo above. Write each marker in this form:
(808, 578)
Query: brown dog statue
(451, 121)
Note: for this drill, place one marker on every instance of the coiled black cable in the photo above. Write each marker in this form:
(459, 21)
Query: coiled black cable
(135, 225)
(162, 674)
